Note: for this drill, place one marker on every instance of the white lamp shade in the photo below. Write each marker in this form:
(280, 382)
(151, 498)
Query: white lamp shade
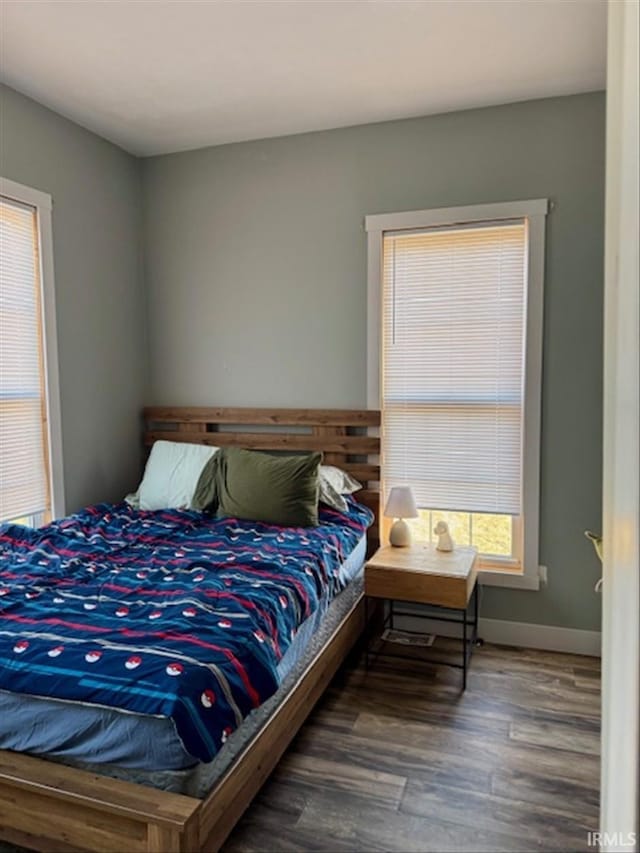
(400, 503)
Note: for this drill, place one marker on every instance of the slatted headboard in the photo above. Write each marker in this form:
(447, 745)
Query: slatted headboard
(341, 434)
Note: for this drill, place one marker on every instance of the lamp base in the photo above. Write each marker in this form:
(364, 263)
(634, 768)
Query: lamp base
(400, 534)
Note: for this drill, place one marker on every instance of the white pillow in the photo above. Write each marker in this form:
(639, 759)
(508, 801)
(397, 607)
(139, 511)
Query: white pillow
(171, 475)
(334, 483)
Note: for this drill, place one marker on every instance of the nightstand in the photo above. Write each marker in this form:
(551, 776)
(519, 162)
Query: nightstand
(419, 574)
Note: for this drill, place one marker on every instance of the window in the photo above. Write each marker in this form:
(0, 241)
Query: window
(458, 347)
(30, 457)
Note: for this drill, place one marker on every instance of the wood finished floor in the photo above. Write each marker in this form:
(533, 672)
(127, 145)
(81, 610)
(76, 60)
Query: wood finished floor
(397, 759)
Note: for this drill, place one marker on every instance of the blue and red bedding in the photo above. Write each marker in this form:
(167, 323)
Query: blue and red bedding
(169, 614)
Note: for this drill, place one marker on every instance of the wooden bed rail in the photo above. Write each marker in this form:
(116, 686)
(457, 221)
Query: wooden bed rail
(49, 806)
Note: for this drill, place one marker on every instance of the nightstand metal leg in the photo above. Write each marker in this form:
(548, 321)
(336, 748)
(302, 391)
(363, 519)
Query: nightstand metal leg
(464, 651)
(475, 613)
(367, 636)
(477, 640)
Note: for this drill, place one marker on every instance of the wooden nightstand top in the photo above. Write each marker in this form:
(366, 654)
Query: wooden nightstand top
(422, 574)
(422, 557)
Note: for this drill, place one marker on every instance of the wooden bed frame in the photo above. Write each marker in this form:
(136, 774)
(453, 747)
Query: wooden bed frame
(51, 807)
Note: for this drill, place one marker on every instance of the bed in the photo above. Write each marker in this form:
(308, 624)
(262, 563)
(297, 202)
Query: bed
(301, 612)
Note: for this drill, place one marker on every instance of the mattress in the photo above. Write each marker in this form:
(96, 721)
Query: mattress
(147, 748)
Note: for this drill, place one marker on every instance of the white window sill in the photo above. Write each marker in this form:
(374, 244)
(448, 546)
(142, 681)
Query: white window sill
(511, 577)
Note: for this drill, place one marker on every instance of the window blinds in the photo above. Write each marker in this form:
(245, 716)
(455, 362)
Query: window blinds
(23, 451)
(453, 364)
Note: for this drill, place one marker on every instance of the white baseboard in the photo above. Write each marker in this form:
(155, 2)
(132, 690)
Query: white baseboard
(523, 634)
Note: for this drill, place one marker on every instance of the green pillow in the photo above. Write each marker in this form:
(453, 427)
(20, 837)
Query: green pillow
(205, 496)
(255, 486)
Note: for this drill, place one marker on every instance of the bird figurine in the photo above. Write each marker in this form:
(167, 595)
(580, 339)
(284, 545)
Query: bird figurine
(596, 542)
(445, 542)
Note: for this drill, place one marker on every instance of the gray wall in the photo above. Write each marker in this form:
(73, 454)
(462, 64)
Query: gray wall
(95, 188)
(256, 285)
(256, 282)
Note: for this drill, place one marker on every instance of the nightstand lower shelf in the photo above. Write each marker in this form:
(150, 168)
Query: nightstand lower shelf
(468, 638)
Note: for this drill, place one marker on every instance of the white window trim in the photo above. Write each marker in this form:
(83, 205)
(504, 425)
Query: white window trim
(43, 204)
(534, 211)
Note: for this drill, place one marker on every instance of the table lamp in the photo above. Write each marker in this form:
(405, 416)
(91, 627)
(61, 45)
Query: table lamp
(400, 505)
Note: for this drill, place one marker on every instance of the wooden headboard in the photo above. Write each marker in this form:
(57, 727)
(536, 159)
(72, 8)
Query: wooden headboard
(341, 434)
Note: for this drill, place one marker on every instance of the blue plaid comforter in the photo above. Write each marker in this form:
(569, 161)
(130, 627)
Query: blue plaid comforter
(165, 613)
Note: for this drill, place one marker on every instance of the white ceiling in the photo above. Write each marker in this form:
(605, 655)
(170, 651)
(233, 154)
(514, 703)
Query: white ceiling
(157, 76)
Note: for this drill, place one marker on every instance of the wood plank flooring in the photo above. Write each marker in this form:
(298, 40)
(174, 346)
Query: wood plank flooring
(397, 759)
